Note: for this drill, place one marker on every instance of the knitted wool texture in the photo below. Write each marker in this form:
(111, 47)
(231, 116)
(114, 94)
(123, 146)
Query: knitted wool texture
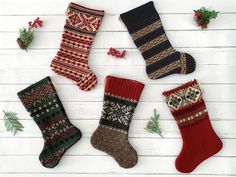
(71, 60)
(45, 107)
(145, 27)
(199, 138)
(111, 136)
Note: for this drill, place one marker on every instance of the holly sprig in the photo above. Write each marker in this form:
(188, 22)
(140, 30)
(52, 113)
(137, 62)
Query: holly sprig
(153, 125)
(12, 123)
(26, 35)
(203, 16)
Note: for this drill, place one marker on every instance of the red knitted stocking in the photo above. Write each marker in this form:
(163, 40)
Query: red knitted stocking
(199, 138)
(71, 60)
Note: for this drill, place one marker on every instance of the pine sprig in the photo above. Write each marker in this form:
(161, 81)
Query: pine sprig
(12, 123)
(153, 125)
(26, 36)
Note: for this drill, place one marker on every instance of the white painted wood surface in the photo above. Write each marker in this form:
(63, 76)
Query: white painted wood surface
(214, 50)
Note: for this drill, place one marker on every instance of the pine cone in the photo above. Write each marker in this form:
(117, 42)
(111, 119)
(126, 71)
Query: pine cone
(21, 44)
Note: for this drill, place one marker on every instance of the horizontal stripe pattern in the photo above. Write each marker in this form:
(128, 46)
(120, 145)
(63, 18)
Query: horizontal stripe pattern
(153, 43)
(146, 30)
(192, 117)
(160, 56)
(164, 70)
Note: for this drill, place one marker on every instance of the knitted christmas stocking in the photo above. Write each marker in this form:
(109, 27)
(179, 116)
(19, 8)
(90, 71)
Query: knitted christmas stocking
(45, 107)
(199, 138)
(145, 27)
(120, 100)
(71, 60)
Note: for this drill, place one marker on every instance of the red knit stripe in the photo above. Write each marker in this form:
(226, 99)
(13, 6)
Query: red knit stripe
(77, 62)
(69, 59)
(99, 12)
(77, 39)
(72, 56)
(73, 53)
(78, 35)
(126, 88)
(69, 75)
(65, 66)
(76, 44)
(61, 135)
(69, 47)
(71, 65)
(73, 59)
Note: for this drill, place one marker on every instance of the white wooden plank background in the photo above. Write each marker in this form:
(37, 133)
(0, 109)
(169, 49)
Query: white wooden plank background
(215, 53)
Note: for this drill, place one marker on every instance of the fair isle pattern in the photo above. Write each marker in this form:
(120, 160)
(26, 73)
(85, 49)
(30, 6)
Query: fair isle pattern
(56, 128)
(186, 104)
(82, 21)
(47, 107)
(71, 61)
(192, 117)
(44, 106)
(184, 97)
(117, 112)
(37, 95)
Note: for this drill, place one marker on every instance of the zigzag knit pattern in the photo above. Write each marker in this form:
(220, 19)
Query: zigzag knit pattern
(145, 27)
(71, 60)
(44, 106)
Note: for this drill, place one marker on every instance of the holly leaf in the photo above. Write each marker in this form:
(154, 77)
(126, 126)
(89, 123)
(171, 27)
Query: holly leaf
(12, 123)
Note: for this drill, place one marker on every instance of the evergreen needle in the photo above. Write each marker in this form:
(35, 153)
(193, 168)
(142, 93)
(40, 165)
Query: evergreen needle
(12, 123)
(153, 125)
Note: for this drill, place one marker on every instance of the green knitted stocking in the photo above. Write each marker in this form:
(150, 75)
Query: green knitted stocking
(44, 106)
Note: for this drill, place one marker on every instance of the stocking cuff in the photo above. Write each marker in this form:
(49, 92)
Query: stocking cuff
(123, 88)
(80, 8)
(39, 97)
(138, 15)
(183, 96)
(83, 20)
(186, 102)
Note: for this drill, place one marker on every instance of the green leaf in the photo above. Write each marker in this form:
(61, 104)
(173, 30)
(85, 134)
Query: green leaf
(153, 125)
(207, 14)
(12, 123)
(26, 36)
